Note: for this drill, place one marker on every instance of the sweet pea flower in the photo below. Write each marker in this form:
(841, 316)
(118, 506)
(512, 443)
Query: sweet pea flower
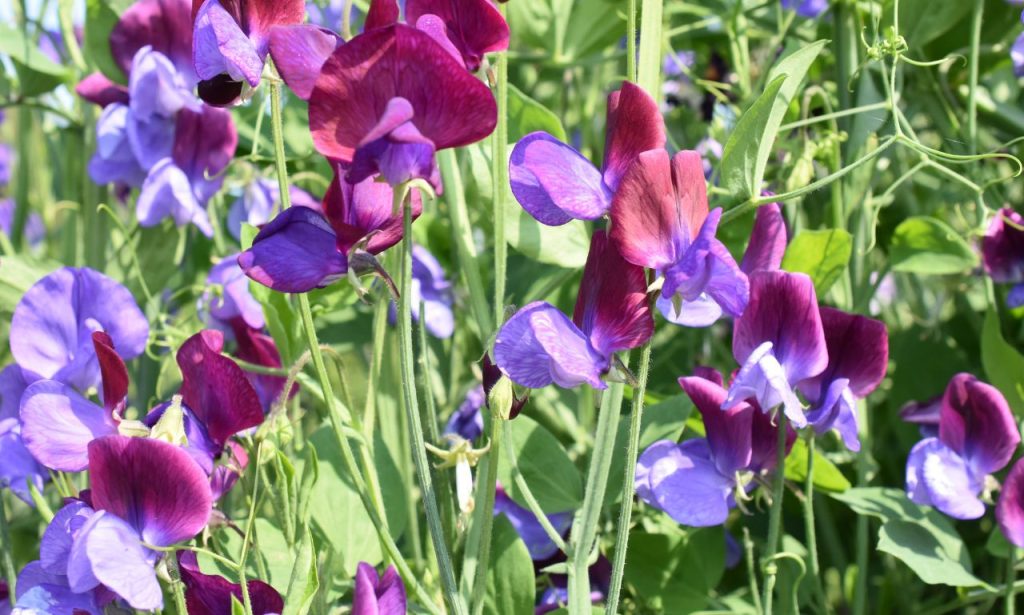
(432, 288)
(810, 9)
(378, 595)
(391, 97)
(555, 184)
(1002, 250)
(227, 297)
(258, 348)
(977, 436)
(924, 414)
(529, 528)
(231, 40)
(467, 421)
(1010, 508)
(1017, 54)
(6, 162)
(473, 27)
(257, 202)
(696, 482)
(209, 594)
(539, 345)
(302, 249)
(779, 343)
(858, 355)
(660, 220)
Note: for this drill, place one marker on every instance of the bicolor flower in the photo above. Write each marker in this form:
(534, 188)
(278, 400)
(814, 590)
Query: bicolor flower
(231, 40)
(302, 249)
(858, 355)
(660, 220)
(779, 343)
(378, 594)
(539, 345)
(391, 97)
(432, 288)
(810, 9)
(257, 202)
(210, 594)
(1002, 250)
(977, 436)
(156, 93)
(555, 184)
(529, 528)
(696, 482)
(1010, 508)
(143, 492)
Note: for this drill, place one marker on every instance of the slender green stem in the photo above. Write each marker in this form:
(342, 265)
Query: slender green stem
(280, 161)
(863, 523)
(524, 489)
(177, 587)
(775, 517)
(748, 550)
(878, 106)
(67, 33)
(486, 518)
(813, 566)
(631, 40)
(648, 70)
(972, 99)
(1011, 574)
(250, 524)
(411, 403)
(626, 505)
(499, 173)
(5, 545)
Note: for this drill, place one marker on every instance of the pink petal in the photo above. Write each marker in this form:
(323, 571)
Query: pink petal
(475, 27)
(299, 52)
(767, 240)
(634, 126)
(976, 422)
(98, 89)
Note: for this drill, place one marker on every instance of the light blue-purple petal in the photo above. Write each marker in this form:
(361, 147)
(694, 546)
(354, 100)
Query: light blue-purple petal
(18, 467)
(763, 378)
(115, 557)
(700, 312)
(554, 183)
(58, 424)
(837, 410)
(528, 528)
(937, 476)
(686, 484)
(468, 421)
(155, 87)
(114, 160)
(234, 299)
(167, 192)
(219, 46)
(55, 546)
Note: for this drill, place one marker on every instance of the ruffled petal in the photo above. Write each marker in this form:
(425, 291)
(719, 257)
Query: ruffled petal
(634, 127)
(58, 539)
(687, 485)
(165, 25)
(363, 213)
(295, 253)
(554, 183)
(1010, 509)
(299, 52)
(167, 192)
(763, 378)
(937, 476)
(475, 27)
(113, 371)
(220, 46)
(837, 410)
(1002, 247)
(976, 422)
(117, 559)
(58, 424)
(18, 468)
(98, 89)
(207, 594)
(728, 431)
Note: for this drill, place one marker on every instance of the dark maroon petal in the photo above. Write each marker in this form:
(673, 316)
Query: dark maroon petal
(154, 486)
(612, 307)
(363, 211)
(220, 91)
(215, 388)
(208, 594)
(382, 13)
(299, 51)
(764, 441)
(98, 89)
(767, 240)
(858, 350)
(1010, 509)
(1002, 247)
(922, 412)
(451, 107)
(728, 431)
(295, 253)
(708, 373)
(204, 144)
(259, 349)
(166, 25)
(634, 127)
(475, 27)
(976, 422)
(113, 373)
(783, 310)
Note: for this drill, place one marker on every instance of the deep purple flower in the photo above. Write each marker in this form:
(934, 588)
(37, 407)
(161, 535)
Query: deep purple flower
(431, 287)
(1002, 250)
(555, 184)
(378, 595)
(768, 239)
(858, 355)
(539, 345)
(253, 346)
(467, 421)
(302, 249)
(779, 343)
(1010, 508)
(52, 326)
(231, 40)
(660, 220)
(810, 9)
(474, 27)
(231, 299)
(695, 482)
(256, 204)
(977, 436)
(529, 528)
(210, 594)
(389, 98)
(34, 231)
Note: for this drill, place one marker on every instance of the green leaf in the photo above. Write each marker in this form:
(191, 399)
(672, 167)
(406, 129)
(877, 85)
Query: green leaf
(922, 21)
(17, 274)
(304, 582)
(511, 589)
(565, 246)
(544, 464)
(746, 152)
(675, 573)
(1003, 365)
(310, 474)
(822, 254)
(100, 18)
(932, 548)
(273, 549)
(526, 115)
(664, 420)
(37, 73)
(928, 246)
(827, 476)
(237, 608)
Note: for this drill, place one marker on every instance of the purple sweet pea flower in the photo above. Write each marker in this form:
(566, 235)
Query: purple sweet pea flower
(467, 421)
(232, 299)
(430, 287)
(925, 414)
(472, 27)
(257, 202)
(660, 220)
(858, 355)
(164, 25)
(977, 436)
(529, 529)
(18, 467)
(34, 231)
(253, 346)
(209, 594)
(114, 160)
(779, 343)
(361, 114)
(539, 345)
(1010, 508)
(299, 52)
(52, 326)
(555, 184)
(810, 9)
(1002, 250)
(378, 595)
(768, 239)
(231, 40)
(42, 592)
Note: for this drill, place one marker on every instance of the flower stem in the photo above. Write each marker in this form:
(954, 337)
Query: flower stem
(411, 403)
(812, 539)
(775, 517)
(486, 518)
(1011, 574)
(626, 505)
(177, 586)
(748, 551)
(6, 547)
(499, 173)
(247, 539)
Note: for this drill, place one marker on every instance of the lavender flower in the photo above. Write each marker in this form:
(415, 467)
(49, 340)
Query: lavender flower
(378, 595)
(1002, 250)
(529, 529)
(811, 9)
(430, 287)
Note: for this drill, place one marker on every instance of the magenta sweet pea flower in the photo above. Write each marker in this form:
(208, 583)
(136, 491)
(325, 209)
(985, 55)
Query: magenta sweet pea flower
(977, 436)
(474, 27)
(768, 240)
(660, 220)
(163, 25)
(389, 98)
(858, 355)
(539, 345)
(231, 40)
(555, 184)
(1010, 508)
(209, 594)
(378, 595)
(1002, 250)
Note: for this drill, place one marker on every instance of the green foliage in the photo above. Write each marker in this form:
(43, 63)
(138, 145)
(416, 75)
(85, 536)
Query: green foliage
(822, 254)
(547, 469)
(675, 572)
(1003, 365)
(827, 476)
(100, 18)
(510, 586)
(928, 246)
(37, 74)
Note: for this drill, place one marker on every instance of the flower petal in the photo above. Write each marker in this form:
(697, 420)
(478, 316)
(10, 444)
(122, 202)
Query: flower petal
(763, 378)
(56, 543)
(475, 27)
(937, 476)
(687, 485)
(728, 431)
(98, 89)
(837, 409)
(540, 345)
(208, 594)
(700, 312)
(1010, 509)
(165, 25)
(634, 126)
(363, 212)
(858, 350)
(18, 468)
(554, 183)
(1002, 247)
(529, 528)
(58, 424)
(204, 145)
(382, 13)
(976, 422)
(768, 240)
(220, 46)
(295, 253)
(167, 192)
(117, 559)
(113, 371)
(299, 52)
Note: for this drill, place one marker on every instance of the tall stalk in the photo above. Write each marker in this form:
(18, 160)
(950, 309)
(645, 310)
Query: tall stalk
(775, 517)
(813, 566)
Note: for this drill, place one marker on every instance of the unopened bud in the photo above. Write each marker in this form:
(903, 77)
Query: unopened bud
(500, 398)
